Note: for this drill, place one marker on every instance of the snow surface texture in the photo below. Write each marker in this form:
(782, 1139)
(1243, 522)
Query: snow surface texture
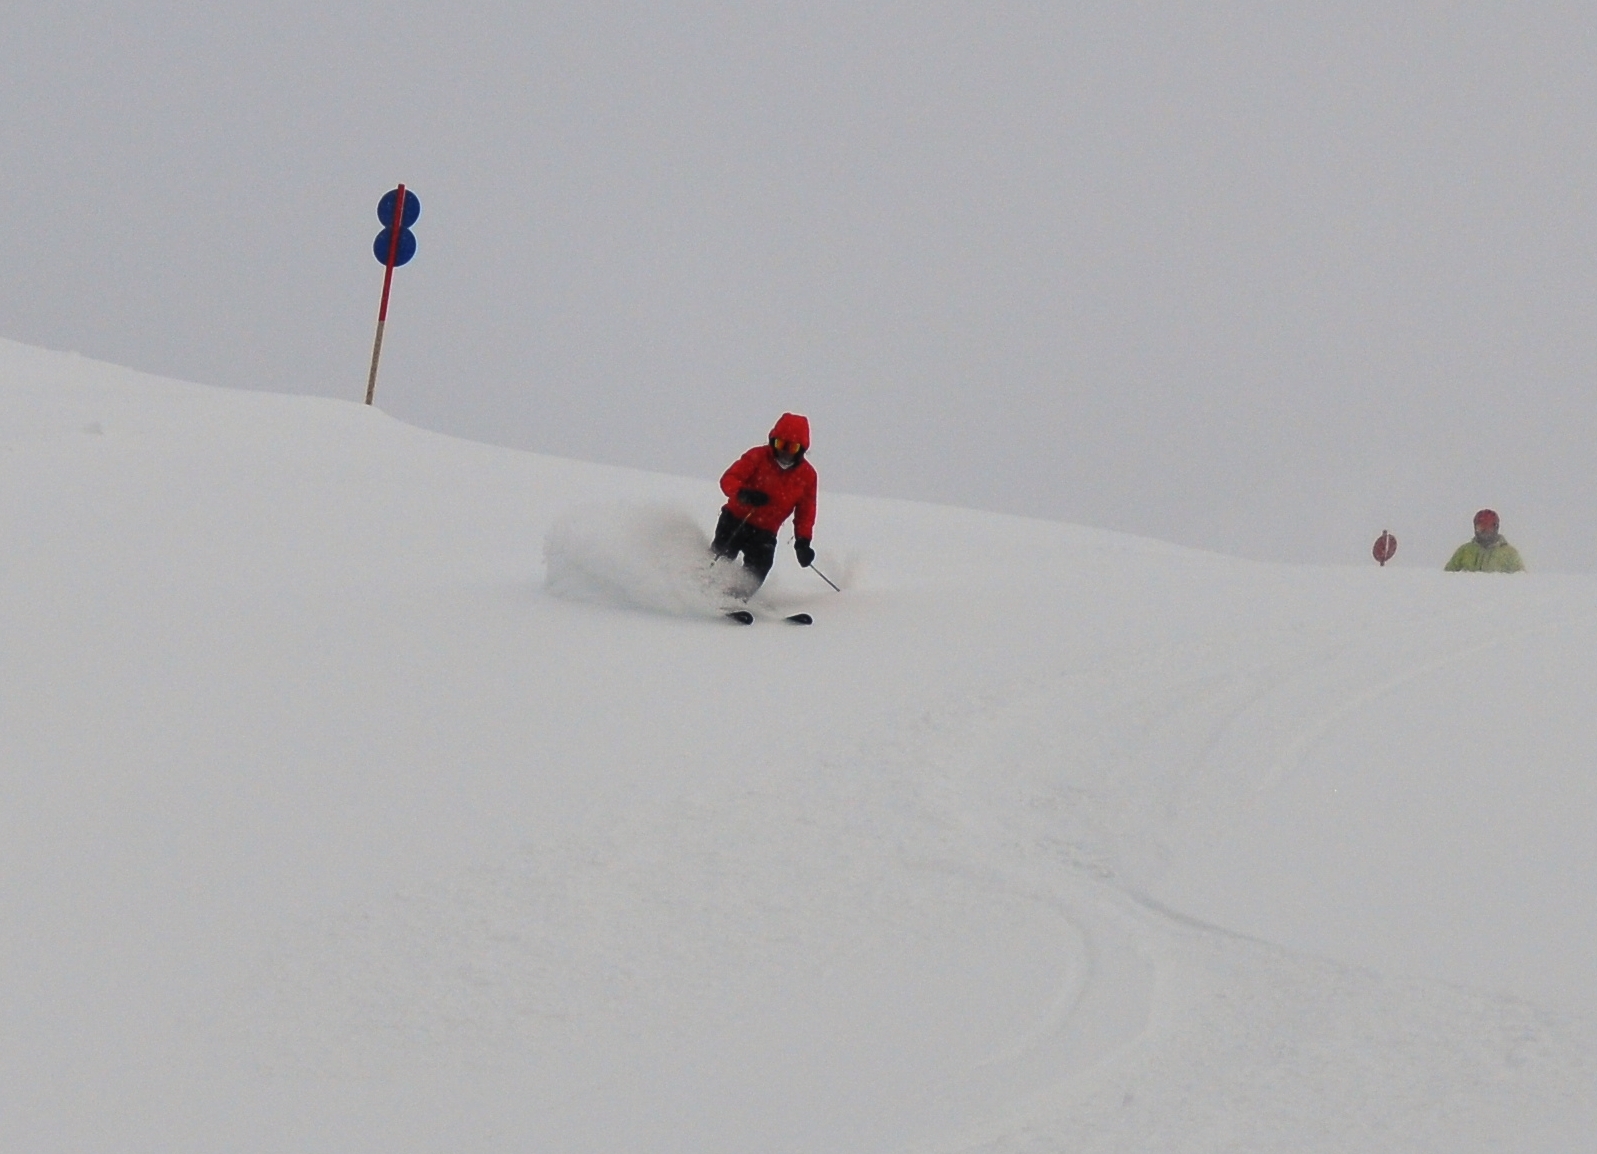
(334, 818)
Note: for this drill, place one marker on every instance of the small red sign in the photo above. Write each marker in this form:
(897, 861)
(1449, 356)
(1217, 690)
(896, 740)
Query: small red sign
(1385, 548)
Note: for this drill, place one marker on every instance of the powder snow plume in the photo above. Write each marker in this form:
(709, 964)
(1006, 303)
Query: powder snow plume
(653, 557)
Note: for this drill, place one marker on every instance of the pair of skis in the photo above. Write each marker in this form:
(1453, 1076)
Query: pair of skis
(744, 617)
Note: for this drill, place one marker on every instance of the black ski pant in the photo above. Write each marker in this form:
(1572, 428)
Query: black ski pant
(758, 546)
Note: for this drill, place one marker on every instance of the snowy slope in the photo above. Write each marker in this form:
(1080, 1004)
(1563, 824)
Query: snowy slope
(330, 822)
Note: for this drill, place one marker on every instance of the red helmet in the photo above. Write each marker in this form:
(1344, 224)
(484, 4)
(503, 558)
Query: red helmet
(1487, 519)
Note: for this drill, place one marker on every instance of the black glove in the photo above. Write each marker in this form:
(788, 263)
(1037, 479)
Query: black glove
(802, 550)
(753, 498)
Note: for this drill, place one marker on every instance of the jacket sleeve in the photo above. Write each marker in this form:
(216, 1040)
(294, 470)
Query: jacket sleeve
(1456, 565)
(804, 511)
(737, 476)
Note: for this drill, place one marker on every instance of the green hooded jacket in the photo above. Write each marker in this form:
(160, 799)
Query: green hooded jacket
(1473, 557)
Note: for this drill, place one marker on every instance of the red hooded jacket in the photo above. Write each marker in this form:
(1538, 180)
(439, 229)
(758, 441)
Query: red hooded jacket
(792, 491)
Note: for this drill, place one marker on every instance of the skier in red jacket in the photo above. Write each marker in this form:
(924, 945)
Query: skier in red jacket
(764, 486)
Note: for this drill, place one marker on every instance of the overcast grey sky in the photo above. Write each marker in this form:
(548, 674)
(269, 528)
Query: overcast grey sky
(1267, 278)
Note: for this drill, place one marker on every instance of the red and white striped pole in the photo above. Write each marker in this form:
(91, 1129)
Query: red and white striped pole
(388, 280)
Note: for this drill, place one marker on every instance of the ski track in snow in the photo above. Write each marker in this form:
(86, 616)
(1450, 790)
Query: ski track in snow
(1284, 712)
(1400, 1065)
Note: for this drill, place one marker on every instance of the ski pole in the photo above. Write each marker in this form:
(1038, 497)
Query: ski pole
(823, 576)
(811, 567)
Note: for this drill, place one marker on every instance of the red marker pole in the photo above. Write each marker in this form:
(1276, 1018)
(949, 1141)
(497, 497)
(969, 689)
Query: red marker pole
(388, 280)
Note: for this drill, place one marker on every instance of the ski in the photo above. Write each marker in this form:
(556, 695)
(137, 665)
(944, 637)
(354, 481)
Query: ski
(744, 617)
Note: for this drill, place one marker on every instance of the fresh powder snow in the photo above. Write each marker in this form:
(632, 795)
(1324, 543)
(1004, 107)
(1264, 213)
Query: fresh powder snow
(365, 789)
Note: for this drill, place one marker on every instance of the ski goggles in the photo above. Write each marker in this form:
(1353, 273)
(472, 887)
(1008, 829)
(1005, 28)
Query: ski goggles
(787, 448)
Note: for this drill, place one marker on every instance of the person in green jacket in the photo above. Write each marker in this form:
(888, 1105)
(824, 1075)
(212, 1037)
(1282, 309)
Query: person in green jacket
(1488, 552)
